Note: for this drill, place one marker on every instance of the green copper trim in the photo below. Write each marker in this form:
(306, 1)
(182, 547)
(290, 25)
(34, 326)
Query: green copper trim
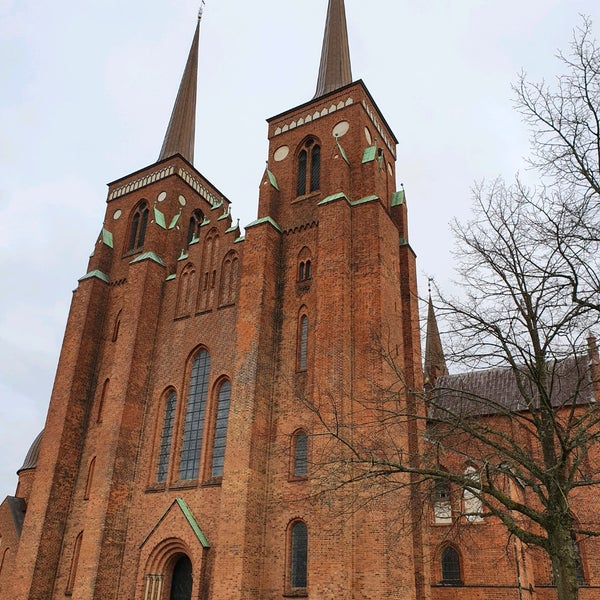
(171, 277)
(107, 238)
(183, 255)
(174, 220)
(159, 217)
(333, 198)
(403, 241)
(365, 200)
(242, 238)
(185, 509)
(265, 220)
(342, 152)
(369, 154)
(205, 222)
(95, 274)
(189, 517)
(149, 256)
(398, 198)
(272, 179)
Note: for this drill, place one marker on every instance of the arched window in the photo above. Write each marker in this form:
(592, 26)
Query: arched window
(299, 454)
(302, 343)
(181, 580)
(194, 418)
(90, 479)
(450, 566)
(195, 223)
(220, 433)
(298, 560)
(442, 507)
(166, 438)
(309, 168)
(137, 231)
(74, 563)
(472, 505)
(304, 265)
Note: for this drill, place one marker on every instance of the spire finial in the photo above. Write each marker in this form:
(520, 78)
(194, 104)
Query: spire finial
(201, 10)
(335, 70)
(435, 362)
(181, 132)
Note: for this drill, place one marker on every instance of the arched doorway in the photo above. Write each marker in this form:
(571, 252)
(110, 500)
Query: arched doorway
(181, 582)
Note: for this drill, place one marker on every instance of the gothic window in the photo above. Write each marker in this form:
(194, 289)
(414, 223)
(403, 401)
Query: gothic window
(302, 343)
(442, 508)
(195, 223)
(472, 505)
(220, 433)
(137, 231)
(450, 566)
(90, 478)
(299, 454)
(181, 580)
(229, 279)
(194, 419)
(74, 562)
(309, 168)
(304, 265)
(298, 557)
(187, 286)
(166, 437)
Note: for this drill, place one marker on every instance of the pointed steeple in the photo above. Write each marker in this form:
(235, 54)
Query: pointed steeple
(335, 70)
(181, 132)
(435, 363)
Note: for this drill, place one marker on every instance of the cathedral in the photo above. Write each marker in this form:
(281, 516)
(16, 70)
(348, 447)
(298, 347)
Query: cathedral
(185, 453)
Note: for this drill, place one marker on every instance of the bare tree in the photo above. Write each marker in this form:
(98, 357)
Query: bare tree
(524, 419)
(564, 120)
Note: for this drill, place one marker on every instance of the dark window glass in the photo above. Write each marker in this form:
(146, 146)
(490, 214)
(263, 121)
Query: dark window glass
(166, 438)
(139, 222)
(220, 439)
(135, 224)
(315, 169)
(441, 490)
(299, 555)
(301, 272)
(181, 582)
(450, 566)
(300, 454)
(307, 273)
(303, 346)
(194, 418)
(194, 227)
(302, 160)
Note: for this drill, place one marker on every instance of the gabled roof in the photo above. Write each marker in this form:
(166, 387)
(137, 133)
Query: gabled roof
(496, 391)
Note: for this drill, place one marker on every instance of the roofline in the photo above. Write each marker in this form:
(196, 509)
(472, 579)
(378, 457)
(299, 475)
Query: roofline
(321, 98)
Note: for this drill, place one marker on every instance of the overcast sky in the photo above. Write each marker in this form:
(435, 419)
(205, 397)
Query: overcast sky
(87, 91)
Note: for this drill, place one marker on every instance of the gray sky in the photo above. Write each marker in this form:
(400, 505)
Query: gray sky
(87, 91)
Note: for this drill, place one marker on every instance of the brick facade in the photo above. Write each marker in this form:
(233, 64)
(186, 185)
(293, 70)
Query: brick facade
(300, 317)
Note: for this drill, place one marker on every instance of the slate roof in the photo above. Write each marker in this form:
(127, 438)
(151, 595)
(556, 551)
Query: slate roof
(17, 508)
(495, 391)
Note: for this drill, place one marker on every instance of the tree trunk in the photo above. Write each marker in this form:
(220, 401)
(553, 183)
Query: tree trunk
(565, 562)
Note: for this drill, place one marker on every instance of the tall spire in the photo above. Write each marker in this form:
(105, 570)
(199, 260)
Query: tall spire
(435, 363)
(335, 70)
(181, 132)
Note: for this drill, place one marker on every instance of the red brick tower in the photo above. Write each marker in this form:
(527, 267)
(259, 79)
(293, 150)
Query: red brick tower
(184, 454)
